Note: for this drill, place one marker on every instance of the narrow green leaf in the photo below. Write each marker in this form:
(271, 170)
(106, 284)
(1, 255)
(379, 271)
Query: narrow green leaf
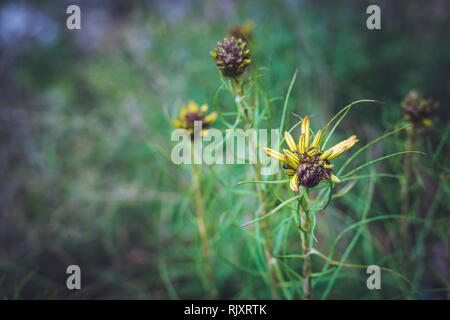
(345, 111)
(366, 146)
(378, 160)
(271, 212)
(286, 100)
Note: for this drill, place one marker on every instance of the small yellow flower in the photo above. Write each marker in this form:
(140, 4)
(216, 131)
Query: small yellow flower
(191, 113)
(305, 162)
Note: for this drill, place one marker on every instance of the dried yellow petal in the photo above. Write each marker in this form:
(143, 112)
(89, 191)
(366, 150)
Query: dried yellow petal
(301, 144)
(292, 158)
(305, 127)
(293, 184)
(290, 141)
(343, 146)
(275, 154)
(316, 140)
(183, 112)
(334, 178)
(312, 152)
(327, 154)
(192, 106)
(290, 172)
(210, 118)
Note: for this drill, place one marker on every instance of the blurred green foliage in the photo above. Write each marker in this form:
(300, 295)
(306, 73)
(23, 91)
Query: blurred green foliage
(85, 144)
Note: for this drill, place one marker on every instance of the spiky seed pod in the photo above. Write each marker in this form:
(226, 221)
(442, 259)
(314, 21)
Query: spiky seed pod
(305, 163)
(232, 56)
(188, 115)
(418, 110)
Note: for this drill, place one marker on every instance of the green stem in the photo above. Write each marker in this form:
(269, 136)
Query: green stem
(270, 260)
(200, 205)
(405, 194)
(306, 242)
(239, 91)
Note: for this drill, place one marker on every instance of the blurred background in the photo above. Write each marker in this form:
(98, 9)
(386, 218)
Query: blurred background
(85, 124)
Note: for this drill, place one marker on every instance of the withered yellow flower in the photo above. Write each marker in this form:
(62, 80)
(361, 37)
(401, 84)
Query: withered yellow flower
(191, 113)
(305, 162)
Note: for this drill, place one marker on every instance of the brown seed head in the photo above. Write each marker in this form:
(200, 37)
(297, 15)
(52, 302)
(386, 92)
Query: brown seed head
(232, 57)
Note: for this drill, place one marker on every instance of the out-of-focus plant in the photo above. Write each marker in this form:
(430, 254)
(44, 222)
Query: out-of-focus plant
(192, 113)
(243, 31)
(418, 112)
(186, 120)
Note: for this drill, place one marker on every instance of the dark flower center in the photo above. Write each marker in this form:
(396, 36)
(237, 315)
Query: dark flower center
(311, 169)
(194, 116)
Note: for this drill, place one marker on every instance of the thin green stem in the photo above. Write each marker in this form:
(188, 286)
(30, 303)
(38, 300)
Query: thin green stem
(270, 260)
(306, 243)
(200, 206)
(405, 195)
